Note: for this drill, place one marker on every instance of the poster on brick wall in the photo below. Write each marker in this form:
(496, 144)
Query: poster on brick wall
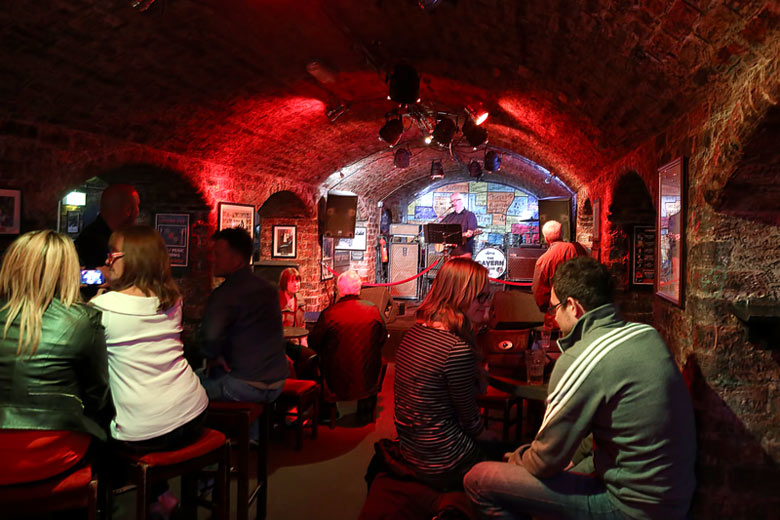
(175, 231)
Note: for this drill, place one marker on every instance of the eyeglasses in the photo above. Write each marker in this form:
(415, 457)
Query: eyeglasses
(555, 307)
(483, 298)
(113, 257)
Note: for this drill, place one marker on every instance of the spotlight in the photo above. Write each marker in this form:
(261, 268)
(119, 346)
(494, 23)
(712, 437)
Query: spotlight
(392, 131)
(437, 170)
(428, 139)
(475, 170)
(479, 115)
(444, 131)
(404, 85)
(402, 158)
(492, 161)
(475, 135)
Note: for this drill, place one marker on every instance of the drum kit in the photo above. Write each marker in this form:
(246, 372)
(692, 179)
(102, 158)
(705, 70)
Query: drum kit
(492, 258)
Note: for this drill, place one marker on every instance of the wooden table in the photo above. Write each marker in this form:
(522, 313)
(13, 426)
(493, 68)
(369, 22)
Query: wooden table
(519, 388)
(295, 332)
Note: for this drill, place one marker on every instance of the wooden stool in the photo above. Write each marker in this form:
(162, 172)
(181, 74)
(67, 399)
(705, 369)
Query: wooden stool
(159, 466)
(75, 489)
(495, 399)
(298, 396)
(235, 420)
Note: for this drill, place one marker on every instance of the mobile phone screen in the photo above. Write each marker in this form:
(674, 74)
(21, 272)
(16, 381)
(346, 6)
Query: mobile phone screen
(92, 277)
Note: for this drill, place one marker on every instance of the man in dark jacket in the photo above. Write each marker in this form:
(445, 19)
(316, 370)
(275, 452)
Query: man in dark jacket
(349, 336)
(119, 207)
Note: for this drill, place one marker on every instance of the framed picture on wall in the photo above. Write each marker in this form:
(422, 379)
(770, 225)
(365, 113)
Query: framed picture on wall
(10, 211)
(354, 244)
(643, 255)
(670, 238)
(175, 231)
(284, 245)
(236, 215)
(327, 258)
(73, 222)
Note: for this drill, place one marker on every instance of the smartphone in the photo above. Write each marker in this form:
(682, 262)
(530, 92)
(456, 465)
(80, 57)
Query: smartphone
(92, 277)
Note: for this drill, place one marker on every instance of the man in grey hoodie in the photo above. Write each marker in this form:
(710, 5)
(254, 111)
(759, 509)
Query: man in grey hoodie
(618, 381)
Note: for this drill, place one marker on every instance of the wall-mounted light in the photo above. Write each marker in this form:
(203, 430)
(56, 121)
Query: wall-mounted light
(477, 114)
(475, 169)
(391, 132)
(444, 132)
(437, 170)
(475, 135)
(492, 161)
(76, 198)
(549, 178)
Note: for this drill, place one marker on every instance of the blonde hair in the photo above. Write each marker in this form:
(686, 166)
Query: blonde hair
(38, 267)
(147, 264)
(456, 286)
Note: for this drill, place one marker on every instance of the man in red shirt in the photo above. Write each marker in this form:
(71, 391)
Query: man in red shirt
(558, 252)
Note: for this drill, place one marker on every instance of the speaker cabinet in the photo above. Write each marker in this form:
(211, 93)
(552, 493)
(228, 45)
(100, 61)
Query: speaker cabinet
(520, 262)
(380, 296)
(403, 265)
(515, 310)
(340, 216)
(556, 209)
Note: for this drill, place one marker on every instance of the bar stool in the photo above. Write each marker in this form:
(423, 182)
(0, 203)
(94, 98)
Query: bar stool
(75, 489)
(298, 396)
(150, 468)
(495, 399)
(235, 420)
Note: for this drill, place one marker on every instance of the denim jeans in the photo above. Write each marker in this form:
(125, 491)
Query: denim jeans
(508, 491)
(225, 387)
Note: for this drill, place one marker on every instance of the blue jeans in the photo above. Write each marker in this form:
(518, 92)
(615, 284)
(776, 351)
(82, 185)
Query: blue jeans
(225, 387)
(508, 491)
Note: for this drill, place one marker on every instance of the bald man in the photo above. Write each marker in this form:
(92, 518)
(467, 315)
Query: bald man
(558, 252)
(119, 208)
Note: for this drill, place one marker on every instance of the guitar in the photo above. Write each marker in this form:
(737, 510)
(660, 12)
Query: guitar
(467, 234)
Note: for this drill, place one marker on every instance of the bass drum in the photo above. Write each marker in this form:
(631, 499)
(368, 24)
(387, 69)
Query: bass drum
(493, 260)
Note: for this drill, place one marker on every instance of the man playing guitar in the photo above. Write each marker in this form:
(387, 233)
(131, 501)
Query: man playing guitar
(468, 224)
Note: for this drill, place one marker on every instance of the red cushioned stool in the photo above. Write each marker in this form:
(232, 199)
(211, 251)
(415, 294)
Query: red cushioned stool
(235, 420)
(75, 489)
(144, 470)
(298, 396)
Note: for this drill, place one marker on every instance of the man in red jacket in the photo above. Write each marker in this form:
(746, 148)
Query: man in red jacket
(558, 252)
(348, 337)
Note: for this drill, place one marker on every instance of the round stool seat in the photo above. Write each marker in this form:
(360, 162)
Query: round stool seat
(209, 440)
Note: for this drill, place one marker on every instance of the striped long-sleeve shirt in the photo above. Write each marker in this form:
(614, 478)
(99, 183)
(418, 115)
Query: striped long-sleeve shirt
(436, 412)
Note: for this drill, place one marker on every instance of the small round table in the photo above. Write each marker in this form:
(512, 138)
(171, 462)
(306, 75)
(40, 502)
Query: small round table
(295, 332)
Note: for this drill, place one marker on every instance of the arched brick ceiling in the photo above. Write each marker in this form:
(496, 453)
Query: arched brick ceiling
(570, 84)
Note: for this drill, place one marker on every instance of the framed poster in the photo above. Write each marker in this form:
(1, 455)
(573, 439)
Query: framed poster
(283, 244)
(175, 231)
(236, 215)
(643, 255)
(10, 211)
(327, 258)
(73, 222)
(670, 239)
(354, 244)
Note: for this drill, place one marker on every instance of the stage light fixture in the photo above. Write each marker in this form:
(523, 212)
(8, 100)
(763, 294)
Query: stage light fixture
(404, 85)
(391, 132)
(444, 132)
(437, 170)
(477, 114)
(492, 161)
(475, 169)
(475, 135)
(402, 158)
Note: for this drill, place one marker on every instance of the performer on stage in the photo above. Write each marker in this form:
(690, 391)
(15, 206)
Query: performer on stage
(468, 224)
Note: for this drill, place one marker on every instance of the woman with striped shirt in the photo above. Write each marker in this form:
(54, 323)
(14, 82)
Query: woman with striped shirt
(436, 377)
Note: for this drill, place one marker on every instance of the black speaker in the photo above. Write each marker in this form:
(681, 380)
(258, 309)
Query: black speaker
(556, 209)
(340, 215)
(380, 296)
(520, 262)
(514, 310)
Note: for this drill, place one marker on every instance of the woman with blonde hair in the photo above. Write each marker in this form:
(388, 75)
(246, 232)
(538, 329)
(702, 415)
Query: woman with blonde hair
(53, 370)
(436, 377)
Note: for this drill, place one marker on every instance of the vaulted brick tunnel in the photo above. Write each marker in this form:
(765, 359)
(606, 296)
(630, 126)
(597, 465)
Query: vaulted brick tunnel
(239, 100)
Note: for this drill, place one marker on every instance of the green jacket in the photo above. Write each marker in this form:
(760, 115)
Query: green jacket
(64, 385)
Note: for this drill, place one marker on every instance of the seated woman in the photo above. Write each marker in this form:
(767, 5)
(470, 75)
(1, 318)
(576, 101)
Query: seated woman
(300, 358)
(437, 377)
(160, 403)
(53, 369)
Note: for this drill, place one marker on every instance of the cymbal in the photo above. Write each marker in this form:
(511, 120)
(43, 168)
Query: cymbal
(295, 332)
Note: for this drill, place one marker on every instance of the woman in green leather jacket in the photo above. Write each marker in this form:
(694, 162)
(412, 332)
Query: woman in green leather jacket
(53, 369)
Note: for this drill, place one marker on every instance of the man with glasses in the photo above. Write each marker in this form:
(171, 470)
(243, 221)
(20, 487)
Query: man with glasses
(468, 225)
(617, 381)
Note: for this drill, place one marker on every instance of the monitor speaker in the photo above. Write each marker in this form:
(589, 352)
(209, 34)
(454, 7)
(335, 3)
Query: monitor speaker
(556, 209)
(520, 262)
(381, 297)
(515, 310)
(340, 216)
(403, 265)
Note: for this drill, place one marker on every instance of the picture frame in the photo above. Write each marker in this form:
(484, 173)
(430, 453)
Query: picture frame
(284, 242)
(327, 258)
(670, 235)
(10, 211)
(175, 231)
(231, 214)
(358, 243)
(73, 222)
(643, 255)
